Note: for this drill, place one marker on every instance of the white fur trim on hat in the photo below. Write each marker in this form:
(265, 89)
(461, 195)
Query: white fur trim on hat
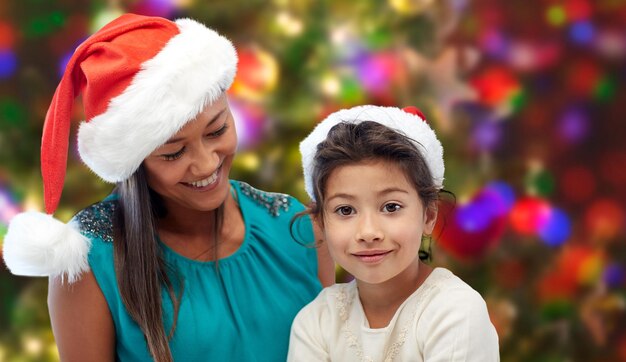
(406, 123)
(193, 69)
(37, 244)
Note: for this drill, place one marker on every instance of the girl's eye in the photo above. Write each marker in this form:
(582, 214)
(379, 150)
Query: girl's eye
(173, 156)
(344, 210)
(219, 132)
(391, 207)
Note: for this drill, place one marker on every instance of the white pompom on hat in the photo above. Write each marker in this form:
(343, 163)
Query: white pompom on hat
(408, 121)
(141, 79)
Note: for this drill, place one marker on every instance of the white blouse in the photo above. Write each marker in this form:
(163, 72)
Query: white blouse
(443, 320)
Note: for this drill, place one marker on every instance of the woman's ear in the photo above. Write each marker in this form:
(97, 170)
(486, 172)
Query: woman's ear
(430, 218)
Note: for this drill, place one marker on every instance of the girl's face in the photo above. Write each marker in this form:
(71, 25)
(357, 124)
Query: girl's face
(374, 221)
(190, 171)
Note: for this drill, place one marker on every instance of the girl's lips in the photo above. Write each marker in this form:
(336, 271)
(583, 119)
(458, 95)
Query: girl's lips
(371, 256)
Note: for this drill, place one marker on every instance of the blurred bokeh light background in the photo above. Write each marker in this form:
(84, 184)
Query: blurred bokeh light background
(527, 97)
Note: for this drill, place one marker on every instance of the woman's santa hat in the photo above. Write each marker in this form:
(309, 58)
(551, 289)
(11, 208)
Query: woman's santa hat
(409, 121)
(141, 79)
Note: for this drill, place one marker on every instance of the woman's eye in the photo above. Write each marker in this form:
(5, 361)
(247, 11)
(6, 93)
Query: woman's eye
(392, 207)
(344, 210)
(173, 156)
(219, 132)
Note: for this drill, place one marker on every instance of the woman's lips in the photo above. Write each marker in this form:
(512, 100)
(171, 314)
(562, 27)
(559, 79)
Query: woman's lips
(206, 183)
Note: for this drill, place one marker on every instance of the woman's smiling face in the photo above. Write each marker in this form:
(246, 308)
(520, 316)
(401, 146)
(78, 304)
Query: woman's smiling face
(190, 171)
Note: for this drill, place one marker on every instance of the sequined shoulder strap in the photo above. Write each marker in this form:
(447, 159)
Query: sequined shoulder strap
(275, 203)
(96, 221)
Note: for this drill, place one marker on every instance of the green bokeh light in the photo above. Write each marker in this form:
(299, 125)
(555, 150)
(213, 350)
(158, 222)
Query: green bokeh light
(605, 89)
(43, 25)
(11, 113)
(556, 15)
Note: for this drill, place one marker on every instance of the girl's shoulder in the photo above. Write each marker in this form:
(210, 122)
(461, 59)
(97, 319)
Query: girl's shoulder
(331, 301)
(331, 304)
(339, 293)
(448, 295)
(457, 314)
(445, 285)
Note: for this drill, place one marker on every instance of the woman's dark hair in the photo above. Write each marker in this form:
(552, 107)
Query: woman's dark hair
(349, 143)
(140, 268)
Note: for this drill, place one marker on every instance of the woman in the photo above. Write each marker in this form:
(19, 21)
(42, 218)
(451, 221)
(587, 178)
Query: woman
(179, 262)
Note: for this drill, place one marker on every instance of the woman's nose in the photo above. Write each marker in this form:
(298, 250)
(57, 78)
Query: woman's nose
(205, 161)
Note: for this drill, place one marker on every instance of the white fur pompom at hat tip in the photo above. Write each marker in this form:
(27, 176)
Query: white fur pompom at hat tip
(37, 244)
(409, 121)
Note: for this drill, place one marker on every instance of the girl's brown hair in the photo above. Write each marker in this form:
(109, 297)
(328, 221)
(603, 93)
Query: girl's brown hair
(349, 143)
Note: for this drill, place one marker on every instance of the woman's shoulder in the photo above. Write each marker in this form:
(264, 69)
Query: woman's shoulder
(96, 221)
(274, 204)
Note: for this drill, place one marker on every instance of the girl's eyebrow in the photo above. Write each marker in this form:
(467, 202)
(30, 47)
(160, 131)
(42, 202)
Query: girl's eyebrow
(391, 190)
(340, 195)
(380, 193)
(211, 121)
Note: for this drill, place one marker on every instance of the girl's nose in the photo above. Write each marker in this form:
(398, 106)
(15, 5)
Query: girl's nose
(369, 229)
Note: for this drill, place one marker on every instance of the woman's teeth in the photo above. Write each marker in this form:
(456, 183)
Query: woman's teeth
(207, 181)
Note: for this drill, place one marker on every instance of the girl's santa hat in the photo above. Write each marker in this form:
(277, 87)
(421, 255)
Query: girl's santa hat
(141, 79)
(409, 121)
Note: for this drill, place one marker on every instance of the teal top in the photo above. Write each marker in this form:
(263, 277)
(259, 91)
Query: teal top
(244, 311)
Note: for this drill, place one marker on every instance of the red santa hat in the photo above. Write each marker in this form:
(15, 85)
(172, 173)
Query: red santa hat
(141, 79)
(409, 121)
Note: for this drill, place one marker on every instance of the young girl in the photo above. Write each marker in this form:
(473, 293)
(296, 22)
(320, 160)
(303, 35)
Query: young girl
(374, 175)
